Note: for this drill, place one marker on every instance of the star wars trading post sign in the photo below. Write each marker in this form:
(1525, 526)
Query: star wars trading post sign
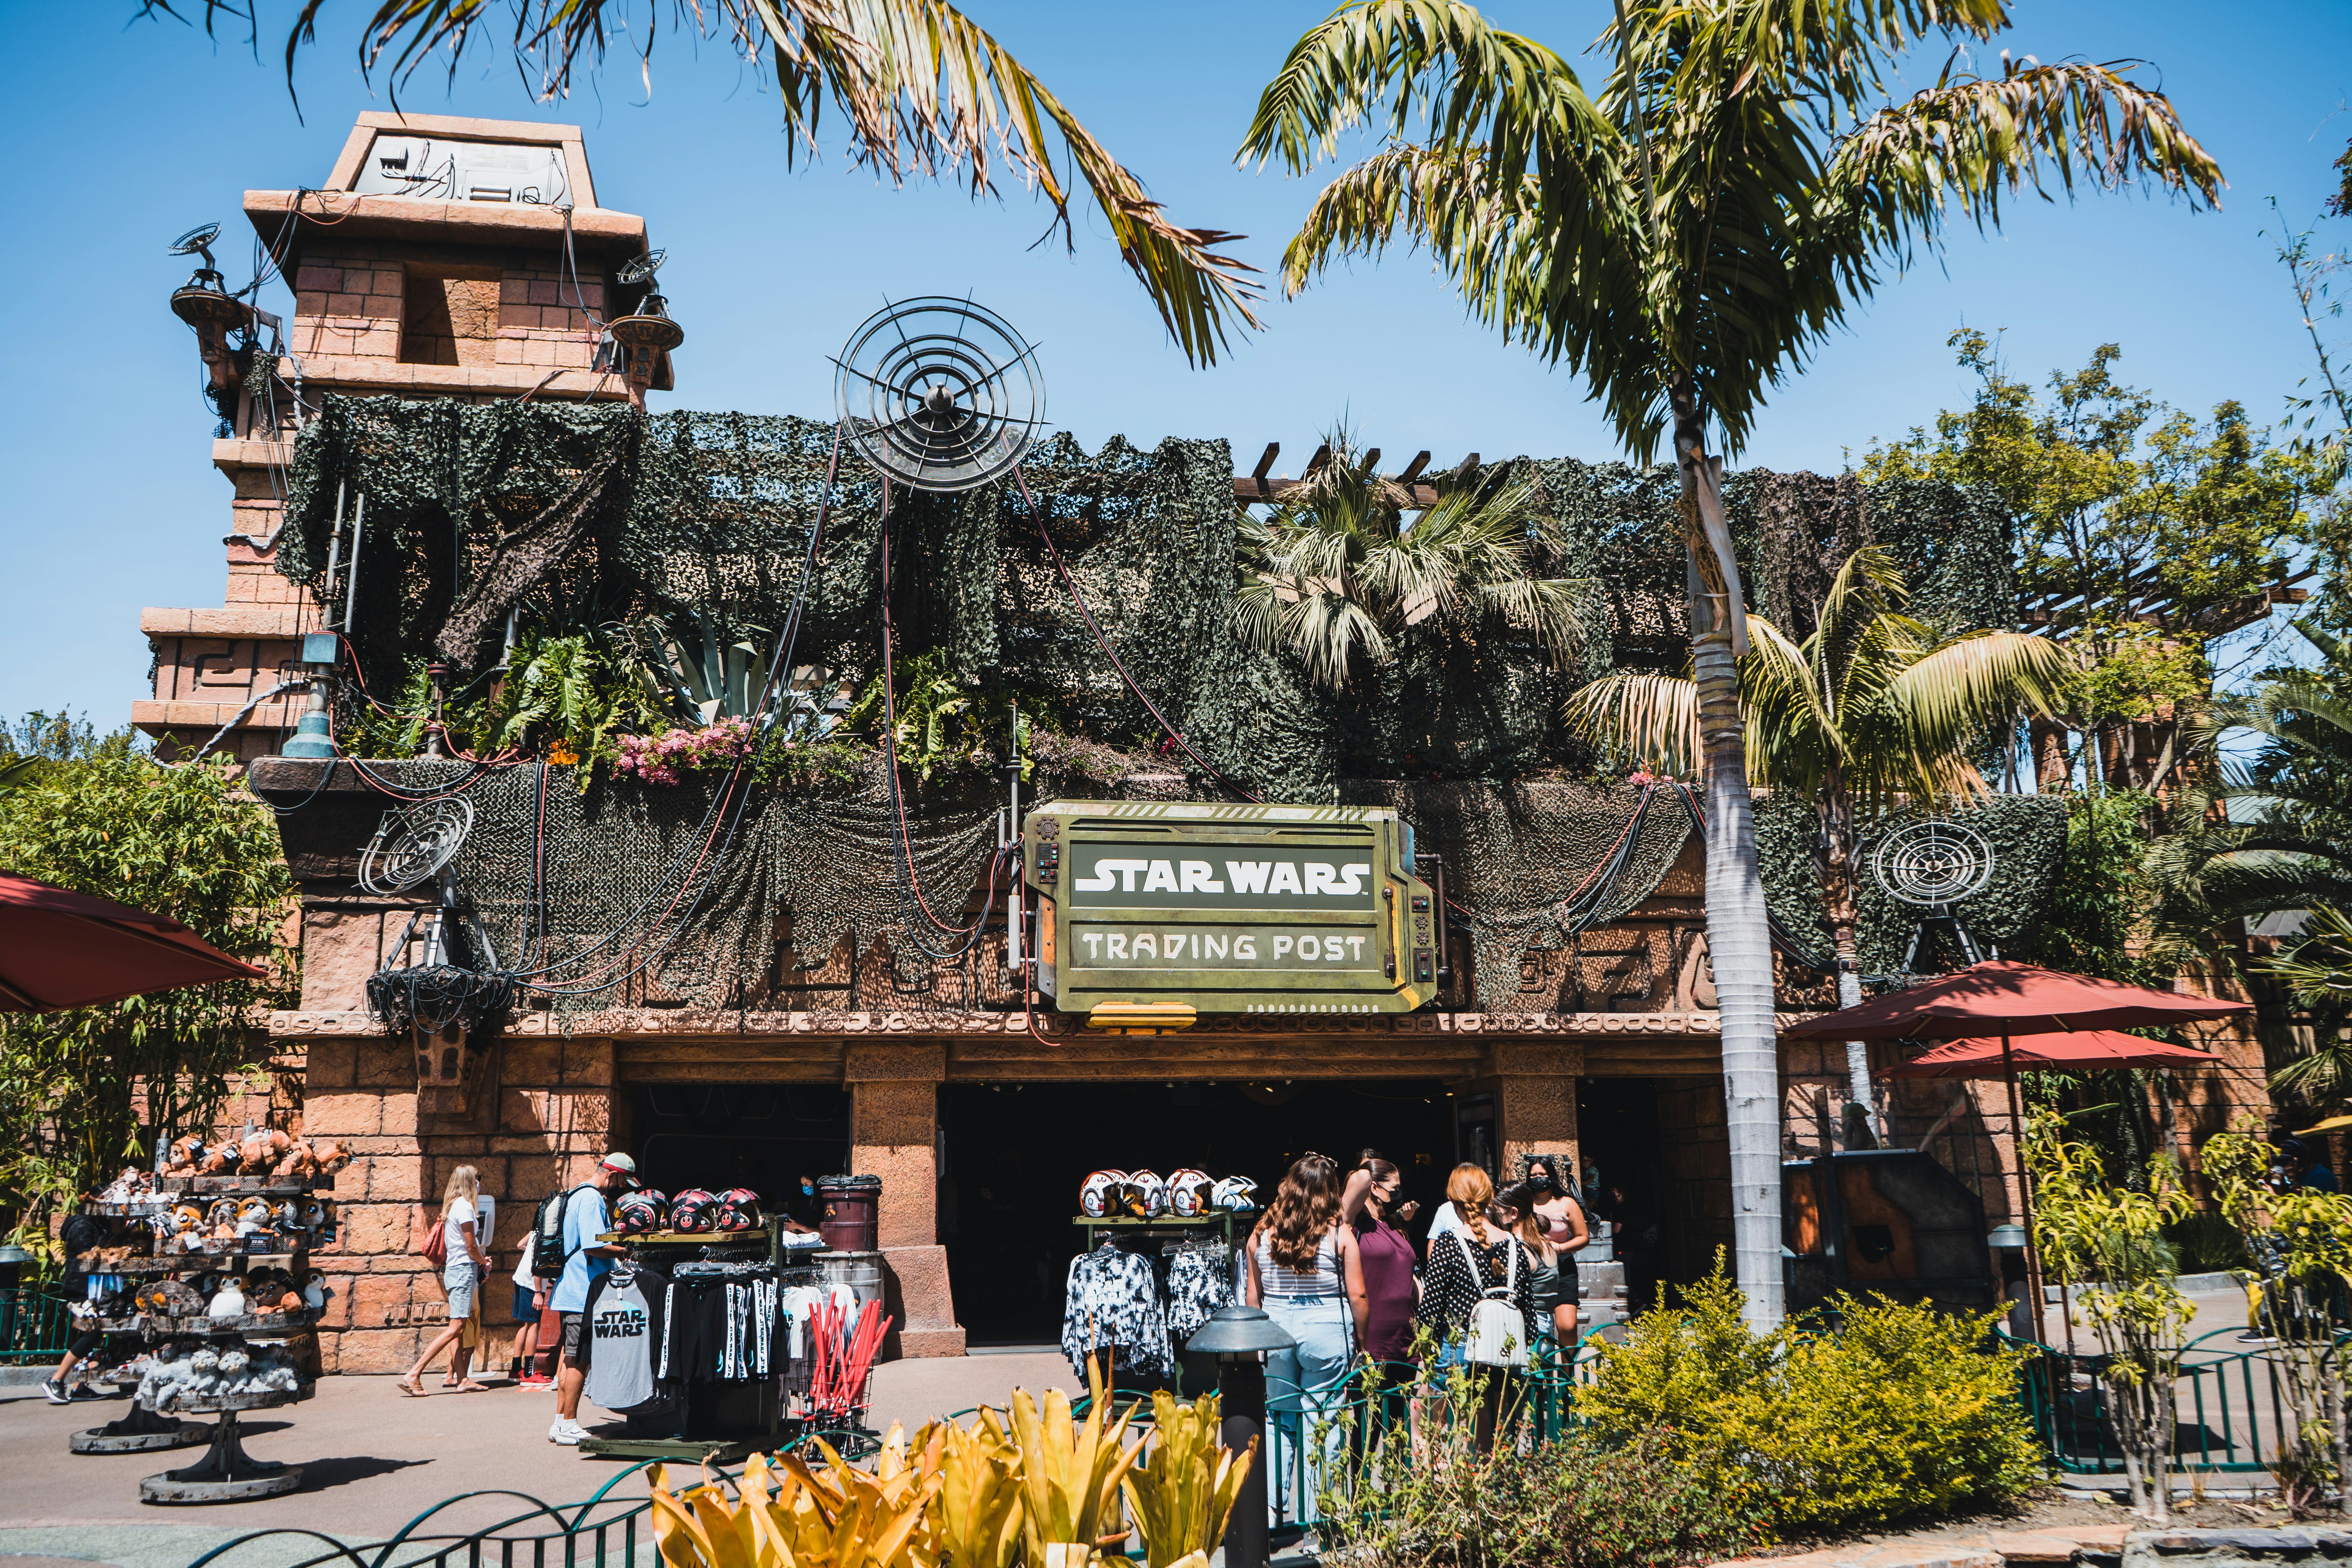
(1150, 912)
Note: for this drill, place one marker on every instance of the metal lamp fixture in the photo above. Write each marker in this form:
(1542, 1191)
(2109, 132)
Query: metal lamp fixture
(647, 334)
(2006, 1238)
(1239, 1337)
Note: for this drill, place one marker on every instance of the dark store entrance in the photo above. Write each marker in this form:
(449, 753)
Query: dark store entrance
(1016, 1154)
(1658, 1162)
(763, 1136)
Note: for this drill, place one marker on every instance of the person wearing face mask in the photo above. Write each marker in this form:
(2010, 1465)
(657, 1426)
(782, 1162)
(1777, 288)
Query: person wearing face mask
(803, 1206)
(1391, 1278)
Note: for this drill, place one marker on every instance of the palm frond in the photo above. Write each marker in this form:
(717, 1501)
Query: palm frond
(1651, 721)
(926, 93)
(1945, 701)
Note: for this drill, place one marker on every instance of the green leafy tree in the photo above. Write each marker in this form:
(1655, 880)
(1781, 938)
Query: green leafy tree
(1682, 240)
(2144, 534)
(85, 1091)
(1338, 577)
(1874, 712)
(924, 91)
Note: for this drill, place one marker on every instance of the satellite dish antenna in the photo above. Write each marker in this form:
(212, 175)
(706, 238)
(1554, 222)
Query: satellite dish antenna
(414, 846)
(198, 241)
(1934, 865)
(643, 269)
(940, 394)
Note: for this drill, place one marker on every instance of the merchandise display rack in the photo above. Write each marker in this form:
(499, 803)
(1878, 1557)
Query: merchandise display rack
(1126, 1227)
(225, 1473)
(716, 1447)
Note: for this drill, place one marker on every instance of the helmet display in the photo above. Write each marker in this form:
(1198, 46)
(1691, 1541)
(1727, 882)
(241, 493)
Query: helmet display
(1145, 1195)
(1099, 1194)
(639, 1212)
(694, 1211)
(1237, 1194)
(1188, 1193)
(739, 1209)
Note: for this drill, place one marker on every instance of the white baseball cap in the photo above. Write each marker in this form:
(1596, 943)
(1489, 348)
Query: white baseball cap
(624, 1164)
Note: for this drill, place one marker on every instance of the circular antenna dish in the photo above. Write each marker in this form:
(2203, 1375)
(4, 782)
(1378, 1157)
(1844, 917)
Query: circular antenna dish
(197, 241)
(940, 394)
(1932, 863)
(643, 266)
(413, 847)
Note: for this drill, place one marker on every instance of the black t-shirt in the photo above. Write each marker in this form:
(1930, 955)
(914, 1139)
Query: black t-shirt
(76, 1236)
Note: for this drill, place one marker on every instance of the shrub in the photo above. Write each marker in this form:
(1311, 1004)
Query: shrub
(1422, 1496)
(1904, 1410)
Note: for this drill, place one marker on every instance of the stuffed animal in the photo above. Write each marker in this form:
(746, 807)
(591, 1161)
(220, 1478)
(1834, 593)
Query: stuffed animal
(258, 1153)
(255, 1216)
(333, 1157)
(315, 1291)
(219, 1160)
(184, 1154)
(229, 1303)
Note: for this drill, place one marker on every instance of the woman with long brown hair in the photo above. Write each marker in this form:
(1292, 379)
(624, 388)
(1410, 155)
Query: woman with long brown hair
(1305, 1270)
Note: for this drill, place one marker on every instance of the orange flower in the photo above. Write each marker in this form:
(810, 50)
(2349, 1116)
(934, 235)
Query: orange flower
(559, 753)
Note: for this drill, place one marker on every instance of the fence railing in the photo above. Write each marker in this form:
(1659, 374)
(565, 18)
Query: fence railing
(2232, 1408)
(33, 1327)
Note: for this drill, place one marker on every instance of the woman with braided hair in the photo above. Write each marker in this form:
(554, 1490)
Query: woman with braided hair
(1467, 1264)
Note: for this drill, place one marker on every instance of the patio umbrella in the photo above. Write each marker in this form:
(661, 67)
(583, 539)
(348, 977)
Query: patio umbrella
(61, 950)
(2093, 1048)
(2002, 997)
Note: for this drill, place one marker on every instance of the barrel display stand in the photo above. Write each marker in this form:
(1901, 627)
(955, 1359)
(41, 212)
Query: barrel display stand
(226, 1473)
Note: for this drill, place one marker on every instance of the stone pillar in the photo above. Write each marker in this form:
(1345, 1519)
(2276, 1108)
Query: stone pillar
(1535, 1100)
(894, 1125)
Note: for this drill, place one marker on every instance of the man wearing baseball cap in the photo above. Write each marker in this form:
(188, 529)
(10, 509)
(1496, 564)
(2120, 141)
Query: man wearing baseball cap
(584, 1258)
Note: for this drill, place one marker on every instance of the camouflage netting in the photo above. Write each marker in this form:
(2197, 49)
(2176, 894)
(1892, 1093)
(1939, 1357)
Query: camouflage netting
(581, 516)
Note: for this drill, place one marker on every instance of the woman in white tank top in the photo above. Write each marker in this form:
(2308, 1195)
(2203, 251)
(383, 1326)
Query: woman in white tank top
(1305, 1271)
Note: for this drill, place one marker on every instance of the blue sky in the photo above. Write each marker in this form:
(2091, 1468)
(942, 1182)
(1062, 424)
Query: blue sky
(128, 132)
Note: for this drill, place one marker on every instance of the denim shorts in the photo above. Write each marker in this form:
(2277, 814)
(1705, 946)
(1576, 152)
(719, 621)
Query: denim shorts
(526, 1305)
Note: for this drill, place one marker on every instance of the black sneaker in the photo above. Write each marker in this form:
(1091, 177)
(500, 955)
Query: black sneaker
(84, 1390)
(54, 1391)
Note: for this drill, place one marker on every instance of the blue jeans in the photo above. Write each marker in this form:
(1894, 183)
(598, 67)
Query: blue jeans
(1304, 1388)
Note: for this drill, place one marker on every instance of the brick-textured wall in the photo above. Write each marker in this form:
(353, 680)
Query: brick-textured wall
(352, 301)
(551, 1124)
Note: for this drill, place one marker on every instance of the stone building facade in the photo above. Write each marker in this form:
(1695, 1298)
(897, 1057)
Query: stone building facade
(458, 294)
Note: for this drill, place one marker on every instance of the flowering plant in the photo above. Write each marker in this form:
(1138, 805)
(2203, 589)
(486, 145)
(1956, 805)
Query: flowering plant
(661, 759)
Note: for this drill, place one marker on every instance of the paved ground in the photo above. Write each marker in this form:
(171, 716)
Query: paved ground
(372, 1461)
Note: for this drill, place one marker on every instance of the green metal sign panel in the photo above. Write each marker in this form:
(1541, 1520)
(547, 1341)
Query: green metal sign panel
(1230, 908)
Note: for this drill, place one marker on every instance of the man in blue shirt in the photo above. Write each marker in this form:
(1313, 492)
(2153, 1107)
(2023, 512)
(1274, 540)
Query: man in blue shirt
(584, 1258)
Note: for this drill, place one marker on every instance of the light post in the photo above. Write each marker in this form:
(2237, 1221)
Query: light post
(2008, 1243)
(1239, 1337)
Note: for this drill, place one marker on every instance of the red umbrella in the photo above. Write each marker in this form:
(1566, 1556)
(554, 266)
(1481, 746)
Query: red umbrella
(61, 950)
(2001, 997)
(2010, 999)
(2093, 1048)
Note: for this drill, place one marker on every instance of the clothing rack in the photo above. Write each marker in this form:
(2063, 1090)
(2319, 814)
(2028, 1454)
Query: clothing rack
(722, 1424)
(1124, 1228)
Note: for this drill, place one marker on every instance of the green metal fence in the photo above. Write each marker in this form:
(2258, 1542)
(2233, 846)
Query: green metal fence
(33, 1327)
(2231, 1403)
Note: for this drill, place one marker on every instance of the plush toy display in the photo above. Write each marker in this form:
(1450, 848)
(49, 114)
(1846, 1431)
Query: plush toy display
(182, 1371)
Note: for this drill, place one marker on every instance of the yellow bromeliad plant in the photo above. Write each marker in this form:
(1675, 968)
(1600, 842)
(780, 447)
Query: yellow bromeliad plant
(1181, 1497)
(1044, 1488)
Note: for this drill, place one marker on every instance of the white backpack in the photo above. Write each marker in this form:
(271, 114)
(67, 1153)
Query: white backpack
(1497, 1333)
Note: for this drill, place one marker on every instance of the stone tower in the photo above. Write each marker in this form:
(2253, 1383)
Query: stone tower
(442, 257)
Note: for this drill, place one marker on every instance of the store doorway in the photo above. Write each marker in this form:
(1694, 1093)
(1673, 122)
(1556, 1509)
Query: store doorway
(1015, 1155)
(1657, 1160)
(762, 1136)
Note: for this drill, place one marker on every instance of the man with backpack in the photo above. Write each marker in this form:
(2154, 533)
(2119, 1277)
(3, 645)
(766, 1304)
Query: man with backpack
(565, 1248)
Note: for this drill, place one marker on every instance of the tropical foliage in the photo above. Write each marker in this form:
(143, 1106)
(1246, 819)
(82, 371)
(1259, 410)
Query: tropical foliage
(2103, 1232)
(85, 1091)
(1682, 240)
(924, 93)
(1338, 575)
(2152, 532)
(1899, 1410)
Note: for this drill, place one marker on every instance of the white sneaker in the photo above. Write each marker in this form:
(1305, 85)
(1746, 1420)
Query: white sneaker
(567, 1433)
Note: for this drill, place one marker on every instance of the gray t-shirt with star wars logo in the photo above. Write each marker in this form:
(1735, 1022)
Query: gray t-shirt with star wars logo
(616, 1340)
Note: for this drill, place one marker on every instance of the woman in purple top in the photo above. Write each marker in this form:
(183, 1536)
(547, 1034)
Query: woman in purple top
(1389, 1261)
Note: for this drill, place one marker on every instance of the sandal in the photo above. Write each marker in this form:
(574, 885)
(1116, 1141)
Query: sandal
(409, 1388)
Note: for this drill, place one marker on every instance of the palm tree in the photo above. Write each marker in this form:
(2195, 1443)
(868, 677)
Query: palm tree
(1683, 241)
(923, 91)
(1338, 576)
(1874, 711)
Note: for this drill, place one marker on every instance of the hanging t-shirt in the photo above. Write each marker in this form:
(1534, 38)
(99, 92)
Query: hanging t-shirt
(617, 1341)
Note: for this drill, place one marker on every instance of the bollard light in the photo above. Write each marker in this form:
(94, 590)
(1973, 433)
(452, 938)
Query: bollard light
(1239, 1337)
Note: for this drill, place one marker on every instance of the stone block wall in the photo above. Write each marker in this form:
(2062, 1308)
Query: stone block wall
(547, 1124)
(423, 304)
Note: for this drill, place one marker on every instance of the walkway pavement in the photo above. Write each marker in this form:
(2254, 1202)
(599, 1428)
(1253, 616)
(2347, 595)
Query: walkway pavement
(372, 1460)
